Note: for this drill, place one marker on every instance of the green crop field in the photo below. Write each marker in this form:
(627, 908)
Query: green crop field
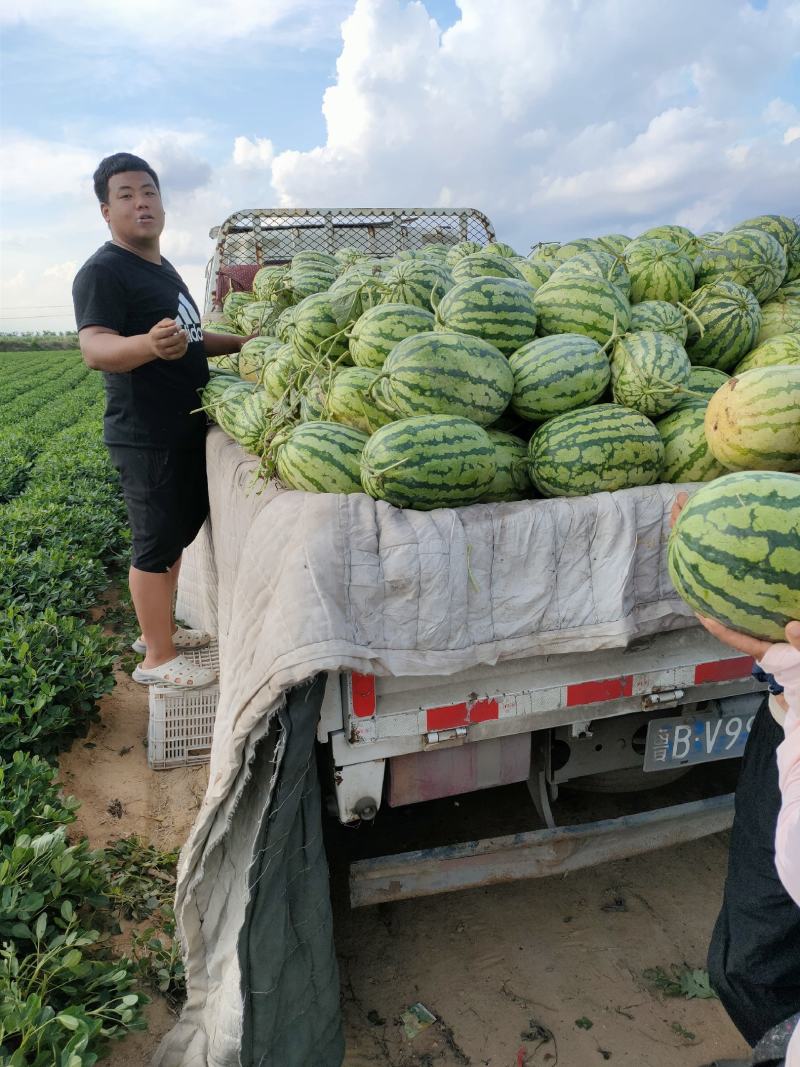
(63, 993)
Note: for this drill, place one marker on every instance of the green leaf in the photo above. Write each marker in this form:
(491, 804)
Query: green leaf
(69, 1022)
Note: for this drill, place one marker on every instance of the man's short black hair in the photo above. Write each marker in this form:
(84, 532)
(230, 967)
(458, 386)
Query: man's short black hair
(119, 163)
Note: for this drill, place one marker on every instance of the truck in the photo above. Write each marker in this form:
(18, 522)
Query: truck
(624, 719)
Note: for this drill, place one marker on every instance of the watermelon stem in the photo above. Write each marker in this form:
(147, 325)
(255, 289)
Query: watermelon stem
(688, 311)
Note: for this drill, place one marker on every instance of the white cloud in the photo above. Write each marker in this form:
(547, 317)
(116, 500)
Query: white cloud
(257, 153)
(791, 135)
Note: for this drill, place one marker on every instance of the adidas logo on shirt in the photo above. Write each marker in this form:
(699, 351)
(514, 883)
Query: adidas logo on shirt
(188, 319)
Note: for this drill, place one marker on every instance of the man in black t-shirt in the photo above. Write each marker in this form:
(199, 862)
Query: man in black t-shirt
(138, 324)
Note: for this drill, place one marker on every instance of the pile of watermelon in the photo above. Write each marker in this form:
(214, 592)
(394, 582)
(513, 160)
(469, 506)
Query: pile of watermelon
(451, 375)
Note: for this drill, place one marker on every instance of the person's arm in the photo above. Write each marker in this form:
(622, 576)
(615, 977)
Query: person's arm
(106, 350)
(221, 344)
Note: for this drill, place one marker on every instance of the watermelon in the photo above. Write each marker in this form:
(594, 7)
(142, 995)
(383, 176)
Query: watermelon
(705, 380)
(250, 420)
(353, 292)
(482, 265)
(316, 333)
(687, 457)
(614, 242)
(785, 231)
(582, 304)
(348, 256)
(321, 457)
(561, 253)
(447, 373)
(255, 355)
(649, 371)
(497, 248)
(790, 290)
(314, 398)
(350, 403)
(661, 316)
(380, 328)
(782, 350)
(278, 373)
(234, 302)
(752, 258)
(596, 449)
(753, 421)
(659, 270)
(547, 252)
(320, 260)
(500, 310)
(730, 318)
(734, 552)
(257, 317)
(534, 272)
(779, 315)
(417, 282)
(458, 251)
(307, 278)
(679, 235)
(284, 324)
(268, 282)
(556, 374)
(511, 480)
(217, 326)
(429, 461)
(595, 264)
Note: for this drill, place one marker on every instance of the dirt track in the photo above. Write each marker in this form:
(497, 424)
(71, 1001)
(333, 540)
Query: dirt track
(546, 973)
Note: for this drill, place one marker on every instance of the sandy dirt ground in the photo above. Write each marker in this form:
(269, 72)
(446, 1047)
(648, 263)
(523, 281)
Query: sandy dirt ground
(547, 973)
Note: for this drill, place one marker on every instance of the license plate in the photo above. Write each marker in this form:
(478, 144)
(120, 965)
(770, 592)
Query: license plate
(689, 739)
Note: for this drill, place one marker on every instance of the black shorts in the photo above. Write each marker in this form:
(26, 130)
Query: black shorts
(166, 493)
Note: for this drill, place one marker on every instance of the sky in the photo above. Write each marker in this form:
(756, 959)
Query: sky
(556, 118)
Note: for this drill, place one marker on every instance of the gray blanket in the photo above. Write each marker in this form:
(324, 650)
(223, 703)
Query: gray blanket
(297, 584)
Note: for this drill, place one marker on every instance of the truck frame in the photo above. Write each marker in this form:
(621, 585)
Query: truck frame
(622, 718)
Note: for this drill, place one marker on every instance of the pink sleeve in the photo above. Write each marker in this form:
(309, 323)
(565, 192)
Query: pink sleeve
(783, 662)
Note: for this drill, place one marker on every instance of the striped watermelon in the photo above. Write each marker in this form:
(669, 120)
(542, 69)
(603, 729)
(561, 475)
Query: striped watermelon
(779, 315)
(353, 292)
(705, 380)
(420, 283)
(233, 304)
(497, 248)
(250, 420)
(322, 457)
(734, 552)
(753, 421)
(649, 371)
(348, 256)
(790, 290)
(306, 279)
(785, 231)
(751, 258)
(458, 251)
(316, 334)
(314, 397)
(257, 317)
(534, 272)
(595, 264)
(268, 282)
(255, 355)
(278, 373)
(546, 252)
(679, 235)
(687, 457)
(661, 316)
(511, 480)
(218, 326)
(429, 461)
(614, 242)
(582, 304)
(482, 265)
(446, 373)
(556, 374)
(659, 270)
(593, 450)
(730, 317)
(380, 328)
(228, 362)
(782, 350)
(284, 324)
(312, 258)
(561, 253)
(500, 310)
(350, 403)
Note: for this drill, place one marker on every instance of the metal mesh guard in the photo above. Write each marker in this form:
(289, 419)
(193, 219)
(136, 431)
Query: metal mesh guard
(270, 236)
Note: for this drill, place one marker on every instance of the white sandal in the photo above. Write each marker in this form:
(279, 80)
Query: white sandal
(183, 640)
(179, 672)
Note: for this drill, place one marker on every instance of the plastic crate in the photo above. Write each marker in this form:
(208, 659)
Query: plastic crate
(181, 724)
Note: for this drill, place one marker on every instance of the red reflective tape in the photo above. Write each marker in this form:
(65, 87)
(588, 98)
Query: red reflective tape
(453, 715)
(362, 695)
(595, 692)
(723, 670)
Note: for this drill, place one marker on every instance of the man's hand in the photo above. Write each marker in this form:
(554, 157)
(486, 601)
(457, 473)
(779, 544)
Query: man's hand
(167, 340)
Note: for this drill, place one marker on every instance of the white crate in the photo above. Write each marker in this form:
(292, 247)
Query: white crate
(181, 723)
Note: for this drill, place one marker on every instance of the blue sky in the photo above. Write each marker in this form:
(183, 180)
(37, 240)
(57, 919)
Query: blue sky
(556, 119)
